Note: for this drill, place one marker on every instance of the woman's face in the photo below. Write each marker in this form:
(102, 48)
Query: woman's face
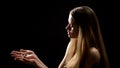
(72, 28)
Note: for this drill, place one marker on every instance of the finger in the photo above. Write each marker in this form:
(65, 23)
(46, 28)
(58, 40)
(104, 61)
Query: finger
(28, 60)
(23, 50)
(14, 52)
(19, 58)
(17, 55)
(27, 51)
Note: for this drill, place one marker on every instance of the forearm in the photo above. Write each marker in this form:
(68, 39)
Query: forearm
(62, 64)
(40, 64)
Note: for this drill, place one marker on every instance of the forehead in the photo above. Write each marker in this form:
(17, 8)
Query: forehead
(70, 19)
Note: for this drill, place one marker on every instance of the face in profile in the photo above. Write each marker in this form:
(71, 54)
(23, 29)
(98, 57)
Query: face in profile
(72, 27)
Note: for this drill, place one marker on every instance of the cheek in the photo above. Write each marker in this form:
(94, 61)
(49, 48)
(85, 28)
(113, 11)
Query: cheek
(75, 31)
(72, 30)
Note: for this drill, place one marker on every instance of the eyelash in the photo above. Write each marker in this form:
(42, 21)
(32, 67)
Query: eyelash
(70, 25)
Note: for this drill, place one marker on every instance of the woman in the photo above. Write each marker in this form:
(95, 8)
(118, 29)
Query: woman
(86, 47)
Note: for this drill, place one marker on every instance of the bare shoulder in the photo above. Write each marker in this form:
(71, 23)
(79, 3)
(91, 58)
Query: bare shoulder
(94, 55)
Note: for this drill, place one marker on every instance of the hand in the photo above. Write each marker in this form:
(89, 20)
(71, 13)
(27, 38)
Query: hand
(29, 57)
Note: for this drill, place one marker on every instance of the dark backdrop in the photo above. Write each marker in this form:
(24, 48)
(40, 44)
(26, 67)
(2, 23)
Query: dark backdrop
(40, 26)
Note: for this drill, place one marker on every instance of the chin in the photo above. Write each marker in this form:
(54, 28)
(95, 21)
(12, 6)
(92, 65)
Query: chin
(72, 36)
(69, 36)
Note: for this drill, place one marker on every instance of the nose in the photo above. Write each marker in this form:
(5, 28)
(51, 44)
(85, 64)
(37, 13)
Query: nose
(67, 27)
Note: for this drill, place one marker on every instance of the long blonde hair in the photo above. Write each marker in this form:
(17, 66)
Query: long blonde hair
(74, 52)
(89, 36)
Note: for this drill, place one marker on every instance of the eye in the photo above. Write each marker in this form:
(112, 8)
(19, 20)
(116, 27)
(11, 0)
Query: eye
(72, 28)
(71, 25)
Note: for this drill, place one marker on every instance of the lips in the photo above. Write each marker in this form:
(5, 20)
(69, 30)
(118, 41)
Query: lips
(68, 33)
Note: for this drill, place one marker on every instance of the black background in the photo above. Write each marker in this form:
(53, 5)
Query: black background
(40, 26)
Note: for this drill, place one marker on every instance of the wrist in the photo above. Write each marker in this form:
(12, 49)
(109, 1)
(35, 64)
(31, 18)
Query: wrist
(40, 64)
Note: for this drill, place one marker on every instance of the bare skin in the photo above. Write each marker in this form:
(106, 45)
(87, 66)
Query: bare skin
(93, 57)
(29, 57)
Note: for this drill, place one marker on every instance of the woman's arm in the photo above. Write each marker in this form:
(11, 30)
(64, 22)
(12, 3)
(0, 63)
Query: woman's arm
(40, 64)
(93, 57)
(61, 65)
(29, 57)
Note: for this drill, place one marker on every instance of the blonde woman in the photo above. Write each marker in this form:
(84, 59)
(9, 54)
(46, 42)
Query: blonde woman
(86, 47)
